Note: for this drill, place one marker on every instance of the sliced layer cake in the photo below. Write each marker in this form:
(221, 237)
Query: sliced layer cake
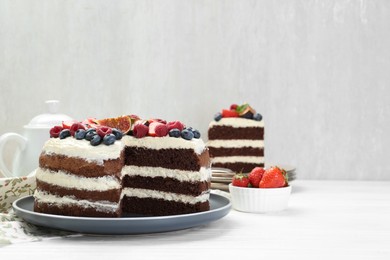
(157, 169)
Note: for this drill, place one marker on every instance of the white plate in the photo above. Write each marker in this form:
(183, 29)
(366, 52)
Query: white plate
(220, 207)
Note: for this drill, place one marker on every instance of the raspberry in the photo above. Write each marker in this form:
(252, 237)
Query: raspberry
(55, 131)
(103, 130)
(175, 124)
(140, 130)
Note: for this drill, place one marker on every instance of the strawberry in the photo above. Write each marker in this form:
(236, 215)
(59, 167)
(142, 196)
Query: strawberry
(90, 122)
(240, 180)
(229, 113)
(255, 176)
(68, 124)
(273, 177)
(140, 130)
(175, 124)
(162, 121)
(157, 129)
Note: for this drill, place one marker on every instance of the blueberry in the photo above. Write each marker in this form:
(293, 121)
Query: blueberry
(89, 134)
(80, 134)
(196, 134)
(257, 117)
(90, 129)
(117, 133)
(217, 116)
(186, 134)
(96, 140)
(190, 129)
(174, 133)
(109, 139)
(64, 134)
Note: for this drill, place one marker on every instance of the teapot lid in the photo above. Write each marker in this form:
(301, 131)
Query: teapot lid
(50, 119)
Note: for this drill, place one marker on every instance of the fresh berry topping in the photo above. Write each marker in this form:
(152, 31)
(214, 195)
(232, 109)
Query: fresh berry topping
(90, 122)
(196, 134)
(118, 134)
(68, 124)
(140, 130)
(80, 134)
(158, 129)
(109, 139)
(175, 124)
(255, 176)
(75, 127)
(187, 134)
(245, 111)
(55, 131)
(103, 130)
(233, 106)
(229, 113)
(89, 134)
(122, 123)
(257, 117)
(64, 133)
(273, 177)
(158, 120)
(96, 140)
(174, 133)
(217, 116)
(240, 180)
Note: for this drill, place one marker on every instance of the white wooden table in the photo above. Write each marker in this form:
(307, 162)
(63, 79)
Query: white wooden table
(324, 220)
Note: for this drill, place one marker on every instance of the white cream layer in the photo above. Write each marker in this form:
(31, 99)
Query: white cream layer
(63, 179)
(238, 159)
(203, 175)
(72, 147)
(166, 142)
(237, 122)
(144, 193)
(235, 143)
(103, 206)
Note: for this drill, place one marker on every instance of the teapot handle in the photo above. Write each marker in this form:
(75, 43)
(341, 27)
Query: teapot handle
(20, 140)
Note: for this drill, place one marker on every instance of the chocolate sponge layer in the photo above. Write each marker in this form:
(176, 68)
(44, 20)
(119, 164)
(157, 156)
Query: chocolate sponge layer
(227, 132)
(81, 167)
(182, 159)
(243, 151)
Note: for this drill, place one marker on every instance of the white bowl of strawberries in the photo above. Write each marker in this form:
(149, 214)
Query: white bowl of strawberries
(262, 190)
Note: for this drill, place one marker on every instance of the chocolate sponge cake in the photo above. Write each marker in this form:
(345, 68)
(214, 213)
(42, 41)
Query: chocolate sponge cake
(236, 139)
(156, 169)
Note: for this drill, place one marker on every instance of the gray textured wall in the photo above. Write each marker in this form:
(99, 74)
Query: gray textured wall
(318, 71)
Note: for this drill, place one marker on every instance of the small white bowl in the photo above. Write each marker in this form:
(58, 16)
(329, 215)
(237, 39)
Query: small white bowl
(259, 200)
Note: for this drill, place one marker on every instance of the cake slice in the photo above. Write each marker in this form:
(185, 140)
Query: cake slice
(236, 139)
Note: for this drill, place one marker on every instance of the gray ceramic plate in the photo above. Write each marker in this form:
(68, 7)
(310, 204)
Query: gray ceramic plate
(220, 207)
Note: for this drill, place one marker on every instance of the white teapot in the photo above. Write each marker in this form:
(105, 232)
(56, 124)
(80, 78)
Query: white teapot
(36, 133)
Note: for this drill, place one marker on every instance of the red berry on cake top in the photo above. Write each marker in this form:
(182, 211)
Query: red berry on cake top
(55, 131)
(140, 130)
(158, 129)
